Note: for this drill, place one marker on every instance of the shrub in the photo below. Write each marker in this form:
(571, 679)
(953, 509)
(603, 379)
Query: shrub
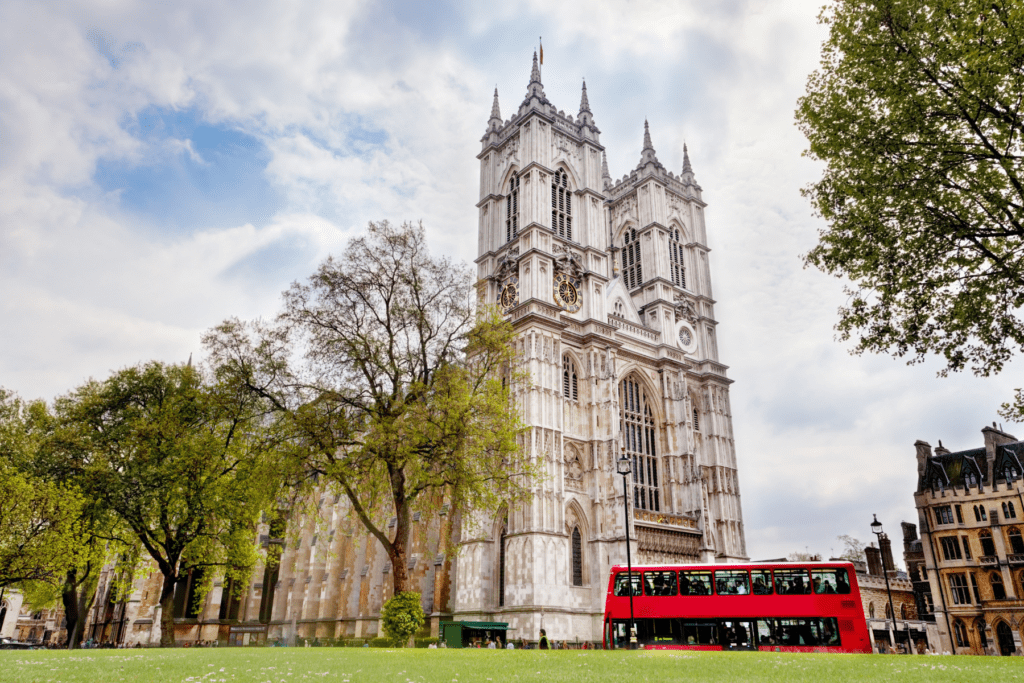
(381, 642)
(401, 617)
(426, 642)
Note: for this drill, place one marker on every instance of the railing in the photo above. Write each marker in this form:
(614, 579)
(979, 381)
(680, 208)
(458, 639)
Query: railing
(626, 326)
(1015, 558)
(989, 560)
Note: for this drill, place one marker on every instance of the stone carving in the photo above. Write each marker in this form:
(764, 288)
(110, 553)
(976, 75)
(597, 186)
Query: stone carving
(685, 310)
(508, 265)
(665, 542)
(568, 262)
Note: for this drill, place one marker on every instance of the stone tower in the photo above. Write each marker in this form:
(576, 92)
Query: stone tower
(608, 286)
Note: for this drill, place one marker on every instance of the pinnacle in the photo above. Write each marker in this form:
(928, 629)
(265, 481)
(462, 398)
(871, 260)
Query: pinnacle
(648, 155)
(606, 177)
(647, 137)
(686, 160)
(584, 102)
(535, 74)
(495, 111)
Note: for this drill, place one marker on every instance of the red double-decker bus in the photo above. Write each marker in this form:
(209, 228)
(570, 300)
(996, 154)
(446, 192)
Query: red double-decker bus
(785, 607)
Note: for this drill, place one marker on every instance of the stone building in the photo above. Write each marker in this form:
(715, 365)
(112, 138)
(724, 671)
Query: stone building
(608, 286)
(969, 508)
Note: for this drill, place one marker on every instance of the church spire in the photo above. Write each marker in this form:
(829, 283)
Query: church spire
(495, 120)
(535, 89)
(606, 177)
(686, 161)
(535, 74)
(584, 102)
(648, 156)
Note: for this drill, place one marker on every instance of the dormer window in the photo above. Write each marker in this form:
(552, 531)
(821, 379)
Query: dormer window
(512, 209)
(632, 269)
(561, 205)
(675, 257)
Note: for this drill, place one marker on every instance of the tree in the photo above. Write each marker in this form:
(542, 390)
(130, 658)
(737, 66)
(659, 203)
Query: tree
(803, 557)
(185, 464)
(390, 385)
(915, 112)
(853, 548)
(402, 616)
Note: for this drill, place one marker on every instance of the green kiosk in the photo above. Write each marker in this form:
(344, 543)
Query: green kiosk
(468, 633)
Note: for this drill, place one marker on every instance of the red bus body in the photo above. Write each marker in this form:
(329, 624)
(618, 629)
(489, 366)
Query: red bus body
(782, 607)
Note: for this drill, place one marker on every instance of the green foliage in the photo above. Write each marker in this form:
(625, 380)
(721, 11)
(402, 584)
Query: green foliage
(392, 387)
(381, 642)
(426, 642)
(915, 114)
(401, 617)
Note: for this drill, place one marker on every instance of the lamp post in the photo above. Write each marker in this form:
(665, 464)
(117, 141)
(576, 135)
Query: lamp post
(876, 529)
(624, 467)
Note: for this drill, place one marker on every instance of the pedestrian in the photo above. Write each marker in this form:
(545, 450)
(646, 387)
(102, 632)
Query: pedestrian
(544, 644)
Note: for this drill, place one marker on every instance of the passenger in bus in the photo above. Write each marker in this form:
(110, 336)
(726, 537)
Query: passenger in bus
(760, 588)
(842, 583)
(740, 588)
(798, 586)
(684, 584)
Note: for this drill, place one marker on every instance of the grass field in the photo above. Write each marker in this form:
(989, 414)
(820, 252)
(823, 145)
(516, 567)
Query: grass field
(350, 665)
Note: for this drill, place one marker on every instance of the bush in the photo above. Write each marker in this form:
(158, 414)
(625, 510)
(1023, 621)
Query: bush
(426, 642)
(401, 617)
(381, 642)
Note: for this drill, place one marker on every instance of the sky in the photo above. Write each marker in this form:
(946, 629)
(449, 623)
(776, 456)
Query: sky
(164, 166)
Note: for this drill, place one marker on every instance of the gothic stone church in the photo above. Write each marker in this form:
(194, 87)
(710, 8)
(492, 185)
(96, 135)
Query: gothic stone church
(608, 286)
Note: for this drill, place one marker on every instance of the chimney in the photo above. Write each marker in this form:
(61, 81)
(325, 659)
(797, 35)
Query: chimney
(874, 558)
(909, 535)
(924, 451)
(885, 547)
(940, 449)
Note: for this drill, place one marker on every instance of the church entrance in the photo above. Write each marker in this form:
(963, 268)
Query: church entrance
(1005, 637)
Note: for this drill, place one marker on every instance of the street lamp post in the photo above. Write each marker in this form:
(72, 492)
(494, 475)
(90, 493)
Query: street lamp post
(623, 467)
(876, 529)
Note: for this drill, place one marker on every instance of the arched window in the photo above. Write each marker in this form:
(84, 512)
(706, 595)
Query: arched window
(970, 478)
(984, 515)
(561, 205)
(960, 633)
(696, 420)
(501, 566)
(1016, 541)
(1006, 511)
(632, 269)
(620, 308)
(577, 557)
(1013, 513)
(639, 439)
(977, 514)
(987, 546)
(675, 257)
(512, 209)
(871, 610)
(903, 611)
(979, 624)
(998, 591)
(569, 384)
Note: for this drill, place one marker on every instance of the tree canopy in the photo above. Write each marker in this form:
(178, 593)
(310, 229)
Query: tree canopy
(187, 465)
(915, 115)
(393, 388)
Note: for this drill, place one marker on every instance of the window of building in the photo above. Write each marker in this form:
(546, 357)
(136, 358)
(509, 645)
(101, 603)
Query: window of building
(561, 205)
(696, 420)
(577, 557)
(871, 610)
(903, 611)
(959, 514)
(569, 383)
(998, 590)
(970, 478)
(1010, 472)
(1013, 512)
(974, 588)
(967, 547)
(512, 209)
(639, 439)
(501, 566)
(632, 269)
(944, 514)
(1016, 541)
(960, 633)
(888, 611)
(675, 257)
(984, 514)
(988, 548)
(979, 625)
(959, 590)
(1008, 511)
(950, 548)
(977, 514)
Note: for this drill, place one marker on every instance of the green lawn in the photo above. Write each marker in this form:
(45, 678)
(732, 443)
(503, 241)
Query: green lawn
(351, 665)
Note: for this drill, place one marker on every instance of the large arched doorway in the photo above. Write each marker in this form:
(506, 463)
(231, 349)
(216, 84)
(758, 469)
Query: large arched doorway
(1004, 636)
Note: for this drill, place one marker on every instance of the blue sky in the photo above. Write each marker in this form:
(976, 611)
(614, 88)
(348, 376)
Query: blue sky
(165, 166)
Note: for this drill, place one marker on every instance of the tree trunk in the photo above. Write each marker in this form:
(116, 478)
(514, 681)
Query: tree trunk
(167, 611)
(86, 596)
(398, 552)
(69, 597)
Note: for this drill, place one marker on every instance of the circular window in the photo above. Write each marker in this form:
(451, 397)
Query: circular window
(685, 337)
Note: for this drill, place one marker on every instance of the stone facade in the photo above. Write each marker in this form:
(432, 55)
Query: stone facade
(608, 287)
(970, 510)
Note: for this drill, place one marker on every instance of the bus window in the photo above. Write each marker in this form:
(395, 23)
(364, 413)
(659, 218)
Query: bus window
(737, 635)
(762, 581)
(659, 583)
(792, 582)
(699, 632)
(809, 632)
(732, 582)
(620, 637)
(767, 632)
(695, 583)
(620, 585)
(828, 581)
(662, 632)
